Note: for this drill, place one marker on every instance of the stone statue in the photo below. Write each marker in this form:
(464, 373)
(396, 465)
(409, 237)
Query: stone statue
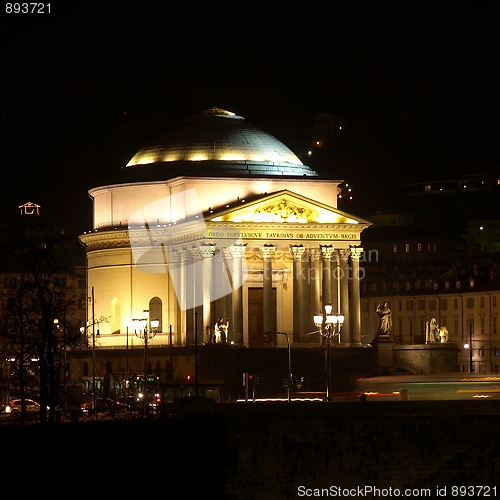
(224, 327)
(384, 314)
(443, 334)
(217, 333)
(210, 333)
(221, 329)
(432, 331)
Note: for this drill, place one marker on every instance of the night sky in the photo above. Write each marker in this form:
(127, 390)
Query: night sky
(83, 88)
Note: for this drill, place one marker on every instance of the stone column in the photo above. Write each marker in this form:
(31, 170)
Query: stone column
(335, 282)
(267, 287)
(238, 252)
(298, 298)
(207, 252)
(355, 298)
(345, 335)
(316, 283)
(194, 292)
(326, 275)
(175, 276)
(182, 302)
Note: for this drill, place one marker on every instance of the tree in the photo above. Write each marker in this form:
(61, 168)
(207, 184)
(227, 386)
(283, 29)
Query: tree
(37, 309)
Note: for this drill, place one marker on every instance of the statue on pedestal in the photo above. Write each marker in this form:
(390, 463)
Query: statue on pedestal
(385, 324)
(432, 331)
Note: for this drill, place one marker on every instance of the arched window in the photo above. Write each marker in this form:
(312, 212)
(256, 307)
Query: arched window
(115, 316)
(155, 312)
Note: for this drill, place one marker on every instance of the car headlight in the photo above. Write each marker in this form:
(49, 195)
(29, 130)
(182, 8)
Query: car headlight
(8, 409)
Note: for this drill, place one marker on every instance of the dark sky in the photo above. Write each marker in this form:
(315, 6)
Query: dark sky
(414, 85)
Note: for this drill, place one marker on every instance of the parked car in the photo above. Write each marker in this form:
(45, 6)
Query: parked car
(128, 403)
(102, 405)
(15, 406)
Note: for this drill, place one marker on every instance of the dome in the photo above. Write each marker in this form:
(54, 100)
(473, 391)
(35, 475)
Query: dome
(221, 143)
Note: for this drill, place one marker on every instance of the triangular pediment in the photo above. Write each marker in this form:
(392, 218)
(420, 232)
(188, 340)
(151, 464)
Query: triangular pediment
(283, 207)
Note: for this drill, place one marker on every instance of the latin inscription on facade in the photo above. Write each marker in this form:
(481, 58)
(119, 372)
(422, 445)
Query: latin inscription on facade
(282, 235)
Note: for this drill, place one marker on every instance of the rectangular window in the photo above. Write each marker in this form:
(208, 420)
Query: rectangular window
(444, 304)
(482, 324)
(469, 325)
(481, 300)
(419, 247)
(409, 305)
(494, 300)
(420, 305)
(407, 247)
(455, 303)
(394, 248)
(469, 303)
(432, 304)
(494, 324)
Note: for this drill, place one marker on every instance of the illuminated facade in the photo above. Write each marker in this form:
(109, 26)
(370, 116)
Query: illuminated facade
(221, 223)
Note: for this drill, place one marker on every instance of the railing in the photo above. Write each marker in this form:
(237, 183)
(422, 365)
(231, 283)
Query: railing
(74, 416)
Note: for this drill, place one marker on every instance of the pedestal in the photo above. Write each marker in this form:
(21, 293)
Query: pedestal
(383, 344)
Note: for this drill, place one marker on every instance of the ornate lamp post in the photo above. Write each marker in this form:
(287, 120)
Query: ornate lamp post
(468, 346)
(146, 334)
(329, 326)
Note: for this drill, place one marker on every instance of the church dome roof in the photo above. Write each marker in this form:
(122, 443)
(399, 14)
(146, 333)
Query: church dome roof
(218, 142)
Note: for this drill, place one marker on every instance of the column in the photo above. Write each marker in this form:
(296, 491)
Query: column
(207, 252)
(267, 287)
(181, 339)
(316, 293)
(355, 298)
(335, 263)
(194, 292)
(344, 295)
(238, 252)
(316, 283)
(326, 275)
(175, 275)
(298, 298)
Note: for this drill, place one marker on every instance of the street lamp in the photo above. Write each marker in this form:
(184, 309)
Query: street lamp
(146, 334)
(469, 346)
(329, 326)
(83, 330)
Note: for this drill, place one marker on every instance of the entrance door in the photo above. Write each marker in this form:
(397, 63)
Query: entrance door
(256, 316)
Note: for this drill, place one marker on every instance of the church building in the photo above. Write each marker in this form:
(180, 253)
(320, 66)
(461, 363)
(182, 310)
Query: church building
(218, 233)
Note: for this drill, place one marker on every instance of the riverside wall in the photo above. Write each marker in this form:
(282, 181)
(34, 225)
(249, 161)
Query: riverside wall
(264, 450)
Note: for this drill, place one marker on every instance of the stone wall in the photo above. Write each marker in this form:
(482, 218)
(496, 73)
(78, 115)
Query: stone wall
(267, 451)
